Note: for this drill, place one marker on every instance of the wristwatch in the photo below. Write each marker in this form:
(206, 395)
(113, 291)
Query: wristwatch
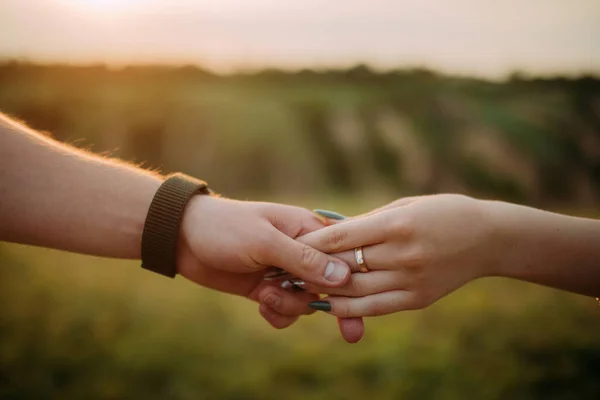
(161, 228)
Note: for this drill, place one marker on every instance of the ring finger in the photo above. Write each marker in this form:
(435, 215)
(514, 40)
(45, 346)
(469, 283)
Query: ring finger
(376, 257)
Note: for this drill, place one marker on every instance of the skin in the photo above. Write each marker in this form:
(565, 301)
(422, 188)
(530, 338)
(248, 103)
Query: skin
(57, 196)
(420, 249)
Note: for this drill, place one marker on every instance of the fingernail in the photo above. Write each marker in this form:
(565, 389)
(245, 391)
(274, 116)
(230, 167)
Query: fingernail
(272, 300)
(329, 214)
(335, 272)
(320, 305)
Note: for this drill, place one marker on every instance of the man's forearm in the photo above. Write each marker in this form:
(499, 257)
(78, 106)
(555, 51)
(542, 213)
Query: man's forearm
(57, 196)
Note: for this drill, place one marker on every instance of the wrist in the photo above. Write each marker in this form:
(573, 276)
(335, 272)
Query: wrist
(526, 241)
(161, 233)
(195, 218)
(503, 239)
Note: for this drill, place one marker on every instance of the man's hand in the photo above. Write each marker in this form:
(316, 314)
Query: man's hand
(95, 205)
(227, 245)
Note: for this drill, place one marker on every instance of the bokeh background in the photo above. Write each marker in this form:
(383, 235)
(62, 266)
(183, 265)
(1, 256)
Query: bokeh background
(337, 105)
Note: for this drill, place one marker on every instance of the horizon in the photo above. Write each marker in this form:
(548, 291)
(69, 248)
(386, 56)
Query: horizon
(115, 67)
(460, 37)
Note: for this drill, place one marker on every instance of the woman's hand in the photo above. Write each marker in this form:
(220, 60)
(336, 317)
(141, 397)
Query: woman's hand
(417, 249)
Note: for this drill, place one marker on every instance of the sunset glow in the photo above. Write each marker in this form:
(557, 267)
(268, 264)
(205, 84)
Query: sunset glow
(106, 6)
(458, 36)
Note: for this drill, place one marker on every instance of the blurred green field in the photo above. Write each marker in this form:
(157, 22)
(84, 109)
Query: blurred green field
(272, 133)
(75, 327)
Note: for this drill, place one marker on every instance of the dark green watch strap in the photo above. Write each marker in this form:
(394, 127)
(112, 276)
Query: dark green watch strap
(161, 229)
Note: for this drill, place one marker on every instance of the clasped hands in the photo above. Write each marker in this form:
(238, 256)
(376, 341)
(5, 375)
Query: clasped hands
(417, 249)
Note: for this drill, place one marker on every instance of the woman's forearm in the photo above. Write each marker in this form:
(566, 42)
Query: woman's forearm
(547, 248)
(57, 196)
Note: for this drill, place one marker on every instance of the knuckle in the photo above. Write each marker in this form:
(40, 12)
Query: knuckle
(402, 226)
(336, 240)
(344, 309)
(417, 258)
(308, 256)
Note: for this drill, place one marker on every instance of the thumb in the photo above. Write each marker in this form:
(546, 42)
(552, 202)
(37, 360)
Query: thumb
(306, 262)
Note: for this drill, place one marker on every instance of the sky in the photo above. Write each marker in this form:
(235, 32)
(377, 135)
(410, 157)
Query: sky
(487, 38)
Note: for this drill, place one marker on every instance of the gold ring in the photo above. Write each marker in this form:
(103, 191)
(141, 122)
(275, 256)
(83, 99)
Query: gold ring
(360, 259)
